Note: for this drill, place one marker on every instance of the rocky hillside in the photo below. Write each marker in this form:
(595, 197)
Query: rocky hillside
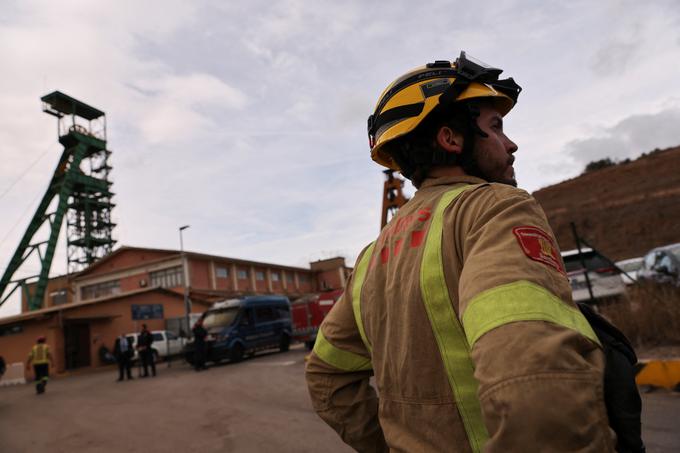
(622, 210)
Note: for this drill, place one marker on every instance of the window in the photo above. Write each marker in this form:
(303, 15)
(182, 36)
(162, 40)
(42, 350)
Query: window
(259, 275)
(58, 297)
(222, 272)
(246, 318)
(242, 274)
(275, 277)
(157, 336)
(171, 335)
(304, 278)
(220, 318)
(168, 278)
(290, 278)
(265, 314)
(100, 289)
(283, 312)
(11, 330)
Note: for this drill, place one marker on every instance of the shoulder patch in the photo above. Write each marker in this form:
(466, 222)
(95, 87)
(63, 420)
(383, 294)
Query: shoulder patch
(539, 246)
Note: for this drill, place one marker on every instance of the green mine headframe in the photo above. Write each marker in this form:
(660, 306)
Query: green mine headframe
(80, 191)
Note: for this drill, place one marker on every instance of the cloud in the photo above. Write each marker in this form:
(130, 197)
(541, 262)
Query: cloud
(247, 119)
(630, 137)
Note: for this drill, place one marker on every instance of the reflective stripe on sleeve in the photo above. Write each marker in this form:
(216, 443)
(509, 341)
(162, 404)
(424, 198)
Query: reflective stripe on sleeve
(447, 329)
(520, 301)
(358, 282)
(335, 357)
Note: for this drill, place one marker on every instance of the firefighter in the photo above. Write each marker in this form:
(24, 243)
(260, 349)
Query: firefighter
(461, 308)
(41, 359)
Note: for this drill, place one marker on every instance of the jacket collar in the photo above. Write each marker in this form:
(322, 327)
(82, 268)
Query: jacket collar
(449, 180)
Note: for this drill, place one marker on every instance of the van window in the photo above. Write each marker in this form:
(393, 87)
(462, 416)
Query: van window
(171, 336)
(220, 318)
(283, 312)
(265, 314)
(246, 318)
(157, 336)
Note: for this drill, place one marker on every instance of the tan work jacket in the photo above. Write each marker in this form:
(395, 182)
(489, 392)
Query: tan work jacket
(462, 312)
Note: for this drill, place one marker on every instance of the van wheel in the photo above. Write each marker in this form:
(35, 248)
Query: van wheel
(236, 353)
(309, 345)
(284, 344)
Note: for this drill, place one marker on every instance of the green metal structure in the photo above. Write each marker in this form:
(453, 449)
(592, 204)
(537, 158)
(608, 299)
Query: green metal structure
(79, 193)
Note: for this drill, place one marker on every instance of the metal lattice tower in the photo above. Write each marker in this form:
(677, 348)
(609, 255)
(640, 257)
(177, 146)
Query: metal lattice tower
(79, 191)
(393, 197)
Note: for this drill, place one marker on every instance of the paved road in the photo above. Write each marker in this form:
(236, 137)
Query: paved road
(661, 421)
(259, 405)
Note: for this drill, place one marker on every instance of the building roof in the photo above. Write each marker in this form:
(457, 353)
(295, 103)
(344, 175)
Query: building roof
(174, 254)
(64, 104)
(49, 310)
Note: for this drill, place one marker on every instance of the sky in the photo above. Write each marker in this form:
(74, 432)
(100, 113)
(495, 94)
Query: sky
(247, 119)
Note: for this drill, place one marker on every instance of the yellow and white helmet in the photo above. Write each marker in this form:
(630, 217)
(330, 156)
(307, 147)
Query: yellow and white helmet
(407, 101)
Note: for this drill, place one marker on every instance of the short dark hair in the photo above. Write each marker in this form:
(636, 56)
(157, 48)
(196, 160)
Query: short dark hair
(418, 152)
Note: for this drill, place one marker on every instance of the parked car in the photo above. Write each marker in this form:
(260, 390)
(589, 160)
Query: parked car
(237, 327)
(165, 343)
(630, 267)
(662, 265)
(605, 280)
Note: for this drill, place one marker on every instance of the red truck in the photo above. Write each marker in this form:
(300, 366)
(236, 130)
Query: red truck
(308, 312)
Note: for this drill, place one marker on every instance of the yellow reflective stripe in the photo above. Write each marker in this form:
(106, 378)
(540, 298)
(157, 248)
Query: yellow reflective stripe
(358, 283)
(447, 330)
(335, 357)
(520, 301)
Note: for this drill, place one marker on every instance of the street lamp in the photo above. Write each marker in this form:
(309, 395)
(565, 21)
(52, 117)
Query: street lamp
(187, 304)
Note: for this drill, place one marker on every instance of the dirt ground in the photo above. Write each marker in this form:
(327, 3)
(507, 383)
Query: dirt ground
(258, 405)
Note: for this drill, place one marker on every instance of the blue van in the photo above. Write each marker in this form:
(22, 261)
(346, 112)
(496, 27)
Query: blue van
(239, 327)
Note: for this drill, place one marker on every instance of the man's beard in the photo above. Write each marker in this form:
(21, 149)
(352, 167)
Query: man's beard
(470, 164)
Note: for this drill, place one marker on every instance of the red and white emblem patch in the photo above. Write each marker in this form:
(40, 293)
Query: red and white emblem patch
(538, 246)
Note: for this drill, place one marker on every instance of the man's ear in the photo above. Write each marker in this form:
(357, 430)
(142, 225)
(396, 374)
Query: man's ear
(450, 140)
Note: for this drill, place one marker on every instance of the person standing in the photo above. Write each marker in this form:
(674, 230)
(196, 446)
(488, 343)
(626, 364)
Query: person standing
(199, 345)
(41, 359)
(461, 309)
(122, 350)
(146, 351)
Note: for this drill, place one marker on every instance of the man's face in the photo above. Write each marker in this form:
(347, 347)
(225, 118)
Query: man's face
(494, 154)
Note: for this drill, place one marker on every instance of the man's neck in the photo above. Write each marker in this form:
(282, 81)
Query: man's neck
(449, 170)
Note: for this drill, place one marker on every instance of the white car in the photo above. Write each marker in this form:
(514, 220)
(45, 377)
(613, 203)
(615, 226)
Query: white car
(165, 343)
(605, 280)
(630, 267)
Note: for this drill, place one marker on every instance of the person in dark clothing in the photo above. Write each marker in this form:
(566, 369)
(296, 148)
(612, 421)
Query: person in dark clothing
(146, 352)
(199, 345)
(122, 351)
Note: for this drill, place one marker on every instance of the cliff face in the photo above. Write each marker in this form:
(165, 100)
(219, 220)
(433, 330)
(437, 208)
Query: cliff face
(623, 210)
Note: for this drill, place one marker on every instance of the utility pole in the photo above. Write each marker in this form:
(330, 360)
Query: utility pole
(185, 269)
(583, 262)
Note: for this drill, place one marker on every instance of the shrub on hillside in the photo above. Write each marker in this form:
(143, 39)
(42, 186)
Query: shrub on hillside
(649, 315)
(599, 164)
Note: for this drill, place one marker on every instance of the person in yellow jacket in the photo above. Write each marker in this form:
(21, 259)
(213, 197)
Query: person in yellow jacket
(461, 310)
(41, 359)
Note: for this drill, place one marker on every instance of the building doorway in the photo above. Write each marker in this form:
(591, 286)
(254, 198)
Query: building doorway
(76, 345)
